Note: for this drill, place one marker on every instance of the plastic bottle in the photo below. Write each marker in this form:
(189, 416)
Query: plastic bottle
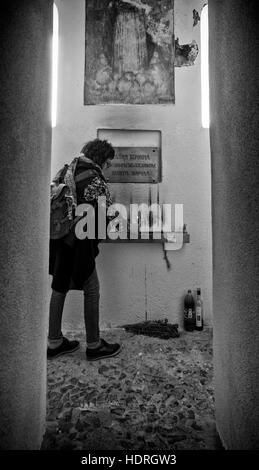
(199, 312)
(189, 312)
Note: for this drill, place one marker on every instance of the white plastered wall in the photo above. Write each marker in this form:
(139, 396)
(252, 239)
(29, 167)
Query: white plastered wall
(134, 277)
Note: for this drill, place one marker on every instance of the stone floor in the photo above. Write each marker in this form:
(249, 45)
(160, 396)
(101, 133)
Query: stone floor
(155, 395)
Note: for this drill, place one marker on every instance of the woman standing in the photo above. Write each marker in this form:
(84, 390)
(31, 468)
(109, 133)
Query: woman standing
(72, 261)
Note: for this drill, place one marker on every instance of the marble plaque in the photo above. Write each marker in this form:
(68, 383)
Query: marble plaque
(135, 165)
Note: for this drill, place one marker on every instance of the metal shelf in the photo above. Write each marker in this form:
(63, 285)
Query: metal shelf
(186, 239)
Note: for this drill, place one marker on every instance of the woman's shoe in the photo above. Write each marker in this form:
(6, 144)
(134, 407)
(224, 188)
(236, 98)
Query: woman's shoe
(103, 351)
(66, 347)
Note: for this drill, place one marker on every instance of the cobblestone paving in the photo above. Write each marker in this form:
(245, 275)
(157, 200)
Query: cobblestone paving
(155, 395)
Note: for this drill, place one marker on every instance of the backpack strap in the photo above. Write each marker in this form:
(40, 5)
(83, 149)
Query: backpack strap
(59, 177)
(85, 175)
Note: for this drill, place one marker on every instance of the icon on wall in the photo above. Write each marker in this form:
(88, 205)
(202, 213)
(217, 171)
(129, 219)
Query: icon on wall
(129, 51)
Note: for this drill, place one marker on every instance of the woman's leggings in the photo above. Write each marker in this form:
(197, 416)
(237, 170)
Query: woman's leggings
(91, 291)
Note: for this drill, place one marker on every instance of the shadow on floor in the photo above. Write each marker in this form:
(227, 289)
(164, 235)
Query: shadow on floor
(155, 395)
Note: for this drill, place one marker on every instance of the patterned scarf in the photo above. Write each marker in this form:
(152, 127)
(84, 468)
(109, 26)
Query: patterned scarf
(69, 179)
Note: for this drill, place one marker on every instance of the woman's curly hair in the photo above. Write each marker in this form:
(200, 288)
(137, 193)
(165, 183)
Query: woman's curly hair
(99, 151)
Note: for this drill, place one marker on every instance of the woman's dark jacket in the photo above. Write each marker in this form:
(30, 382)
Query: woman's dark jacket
(71, 264)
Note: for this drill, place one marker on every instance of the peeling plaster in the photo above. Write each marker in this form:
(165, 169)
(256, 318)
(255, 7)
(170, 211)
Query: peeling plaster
(185, 54)
(196, 17)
